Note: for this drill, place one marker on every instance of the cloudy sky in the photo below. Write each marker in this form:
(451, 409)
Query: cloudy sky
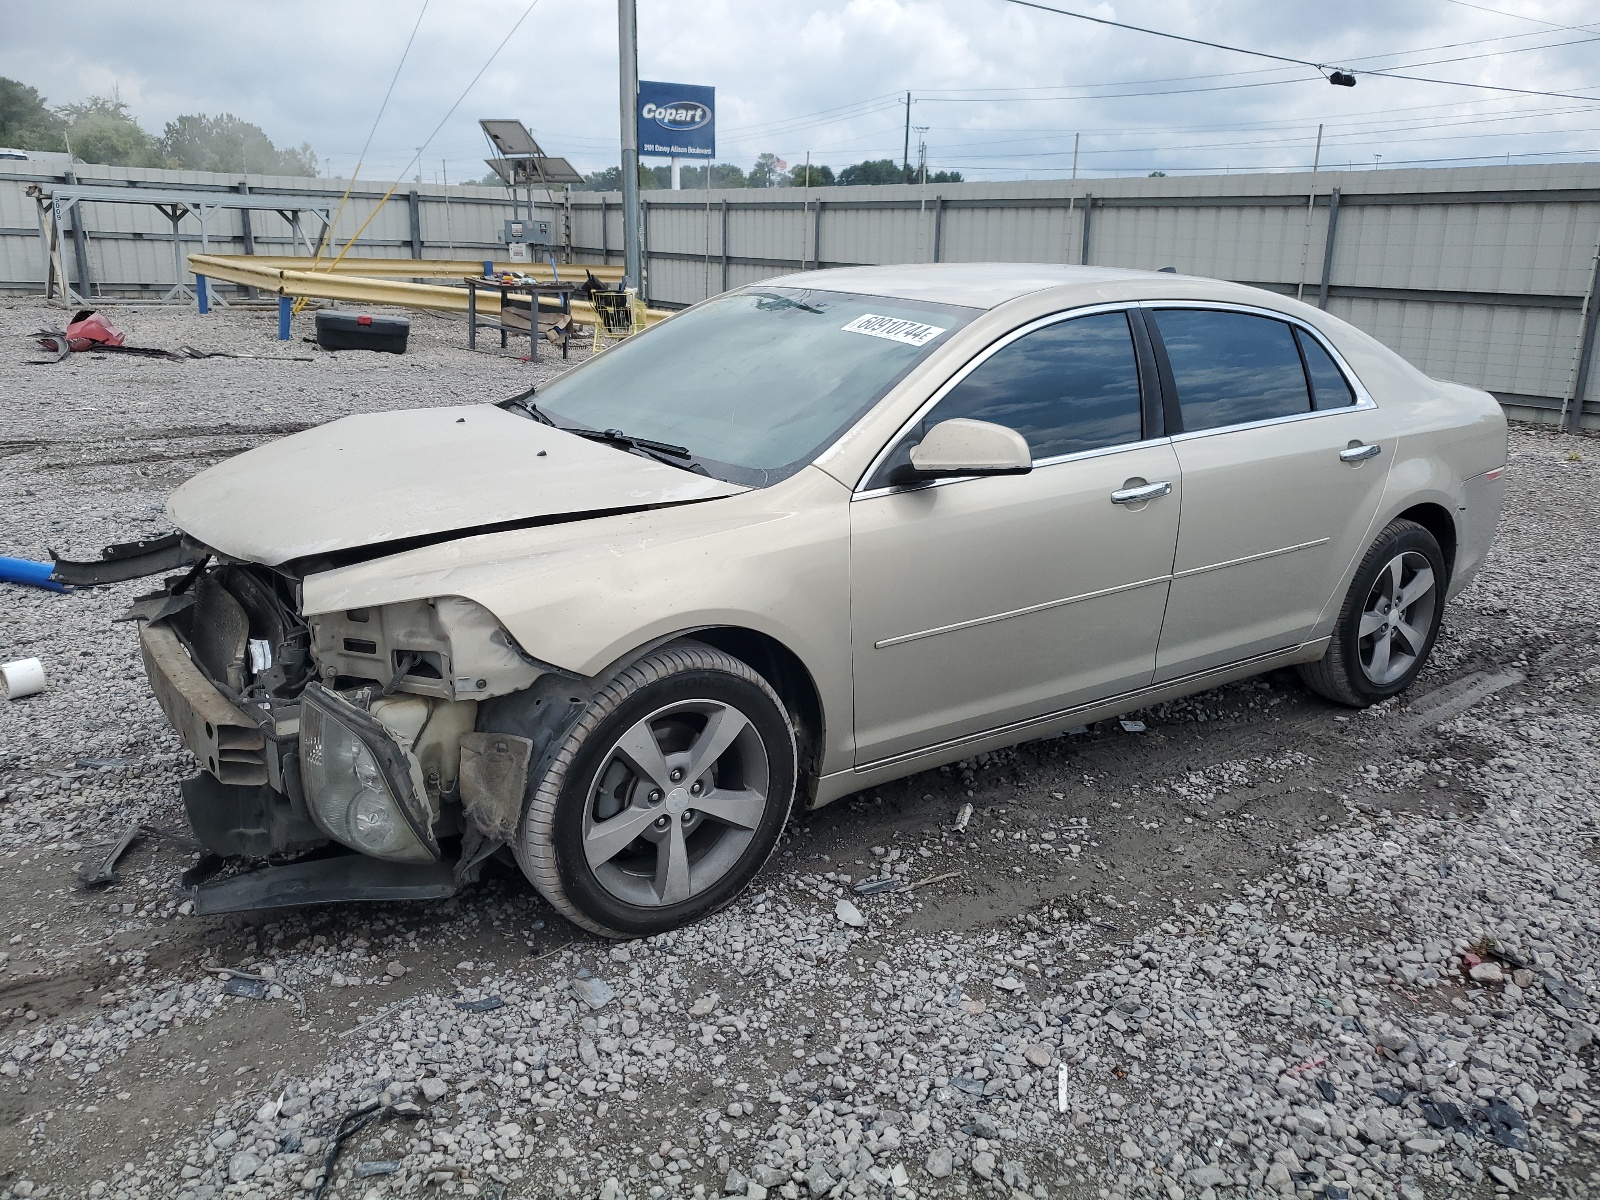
(1000, 88)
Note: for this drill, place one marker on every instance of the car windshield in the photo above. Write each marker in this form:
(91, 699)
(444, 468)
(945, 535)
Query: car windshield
(755, 383)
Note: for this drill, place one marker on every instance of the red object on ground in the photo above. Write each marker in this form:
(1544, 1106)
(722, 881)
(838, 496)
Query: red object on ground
(89, 329)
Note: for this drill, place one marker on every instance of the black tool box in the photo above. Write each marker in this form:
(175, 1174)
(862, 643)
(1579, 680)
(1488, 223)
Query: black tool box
(353, 331)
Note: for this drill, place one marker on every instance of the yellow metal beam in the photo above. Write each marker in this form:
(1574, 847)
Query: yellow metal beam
(419, 268)
(249, 271)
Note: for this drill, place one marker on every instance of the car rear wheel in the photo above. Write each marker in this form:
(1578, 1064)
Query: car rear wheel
(665, 798)
(1389, 620)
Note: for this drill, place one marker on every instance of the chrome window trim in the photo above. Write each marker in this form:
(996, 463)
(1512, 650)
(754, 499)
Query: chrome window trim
(1363, 401)
(972, 364)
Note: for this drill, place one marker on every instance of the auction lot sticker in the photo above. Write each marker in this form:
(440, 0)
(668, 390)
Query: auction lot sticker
(895, 329)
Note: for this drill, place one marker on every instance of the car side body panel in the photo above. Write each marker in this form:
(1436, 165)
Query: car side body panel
(588, 594)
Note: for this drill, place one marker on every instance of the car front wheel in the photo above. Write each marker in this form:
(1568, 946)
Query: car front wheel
(1389, 620)
(666, 796)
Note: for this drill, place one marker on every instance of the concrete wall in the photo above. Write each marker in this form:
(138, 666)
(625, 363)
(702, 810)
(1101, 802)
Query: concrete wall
(1483, 274)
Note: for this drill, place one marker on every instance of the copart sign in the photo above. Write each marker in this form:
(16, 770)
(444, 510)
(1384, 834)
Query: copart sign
(677, 120)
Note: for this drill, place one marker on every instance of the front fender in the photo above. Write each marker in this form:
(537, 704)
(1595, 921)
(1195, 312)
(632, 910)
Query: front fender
(586, 594)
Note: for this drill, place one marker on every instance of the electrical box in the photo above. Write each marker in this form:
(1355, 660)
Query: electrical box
(533, 233)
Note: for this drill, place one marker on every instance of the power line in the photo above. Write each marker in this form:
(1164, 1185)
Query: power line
(1500, 12)
(404, 54)
(1302, 62)
(937, 92)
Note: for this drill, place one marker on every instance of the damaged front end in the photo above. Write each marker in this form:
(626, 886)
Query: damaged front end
(351, 732)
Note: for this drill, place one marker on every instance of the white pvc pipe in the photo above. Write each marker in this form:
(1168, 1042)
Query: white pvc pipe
(21, 678)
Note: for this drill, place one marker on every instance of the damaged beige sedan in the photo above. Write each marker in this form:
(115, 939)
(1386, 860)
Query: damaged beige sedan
(800, 539)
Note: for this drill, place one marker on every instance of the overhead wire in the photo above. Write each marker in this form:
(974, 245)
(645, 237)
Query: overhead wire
(367, 145)
(1500, 12)
(1283, 58)
(384, 199)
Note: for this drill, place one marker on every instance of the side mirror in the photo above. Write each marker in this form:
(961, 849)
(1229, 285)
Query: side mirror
(963, 447)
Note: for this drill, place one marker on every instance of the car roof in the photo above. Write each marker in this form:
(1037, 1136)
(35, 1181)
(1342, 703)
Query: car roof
(974, 284)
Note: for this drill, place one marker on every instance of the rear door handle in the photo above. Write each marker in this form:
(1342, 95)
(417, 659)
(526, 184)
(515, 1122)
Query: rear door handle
(1138, 495)
(1356, 454)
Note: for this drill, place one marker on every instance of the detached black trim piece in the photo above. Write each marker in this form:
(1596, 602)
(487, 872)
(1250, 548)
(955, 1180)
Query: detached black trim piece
(131, 560)
(342, 879)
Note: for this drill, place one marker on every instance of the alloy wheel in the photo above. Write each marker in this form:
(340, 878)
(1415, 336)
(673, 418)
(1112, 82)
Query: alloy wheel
(1397, 618)
(675, 802)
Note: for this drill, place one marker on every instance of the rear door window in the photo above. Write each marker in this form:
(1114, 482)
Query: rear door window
(1066, 388)
(1329, 387)
(1232, 368)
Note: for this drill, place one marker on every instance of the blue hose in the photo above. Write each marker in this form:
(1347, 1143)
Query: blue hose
(21, 570)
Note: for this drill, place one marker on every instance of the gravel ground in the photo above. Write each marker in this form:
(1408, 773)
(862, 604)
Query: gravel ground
(1259, 947)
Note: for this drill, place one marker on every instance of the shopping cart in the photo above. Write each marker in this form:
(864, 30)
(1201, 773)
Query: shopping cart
(620, 314)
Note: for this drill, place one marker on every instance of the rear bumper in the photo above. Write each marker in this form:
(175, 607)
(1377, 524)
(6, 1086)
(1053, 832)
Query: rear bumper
(1481, 499)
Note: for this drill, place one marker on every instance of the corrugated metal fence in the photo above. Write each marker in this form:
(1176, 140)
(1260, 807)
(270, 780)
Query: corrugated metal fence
(1484, 275)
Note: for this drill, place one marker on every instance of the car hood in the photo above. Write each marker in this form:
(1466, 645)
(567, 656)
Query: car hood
(413, 476)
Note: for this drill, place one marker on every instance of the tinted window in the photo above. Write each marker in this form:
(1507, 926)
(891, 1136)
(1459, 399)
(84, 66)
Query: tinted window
(1329, 387)
(1067, 387)
(1232, 367)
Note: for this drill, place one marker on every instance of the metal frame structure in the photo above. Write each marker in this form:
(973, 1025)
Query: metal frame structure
(56, 203)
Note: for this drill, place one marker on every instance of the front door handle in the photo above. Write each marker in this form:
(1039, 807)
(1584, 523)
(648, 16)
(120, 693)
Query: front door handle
(1359, 453)
(1138, 495)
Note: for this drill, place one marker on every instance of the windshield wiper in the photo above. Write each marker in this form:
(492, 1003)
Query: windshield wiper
(523, 402)
(664, 452)
(627, 439)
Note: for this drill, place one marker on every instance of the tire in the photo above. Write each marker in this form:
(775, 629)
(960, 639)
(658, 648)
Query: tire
(710, 720)
(1378, 649)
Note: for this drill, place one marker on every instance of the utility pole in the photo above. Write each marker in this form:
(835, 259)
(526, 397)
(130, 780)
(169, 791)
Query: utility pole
(628, 77)
(1075, 138)
(905, 156)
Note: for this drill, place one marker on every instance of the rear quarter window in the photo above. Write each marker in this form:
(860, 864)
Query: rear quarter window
(1329, 387)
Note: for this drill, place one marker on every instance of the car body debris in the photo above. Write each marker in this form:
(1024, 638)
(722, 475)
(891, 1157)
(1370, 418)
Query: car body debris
(256, 987)
(249, 989)
(352, 1123)
(94, 876)
(873, 887)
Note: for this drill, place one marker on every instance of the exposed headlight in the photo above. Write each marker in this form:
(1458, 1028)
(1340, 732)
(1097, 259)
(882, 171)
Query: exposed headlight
(358, 783)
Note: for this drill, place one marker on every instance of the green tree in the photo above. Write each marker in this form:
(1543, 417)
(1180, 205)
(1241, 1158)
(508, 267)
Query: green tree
(723, 175)
(945, 177)
(102, 130)
(608, 180)
(767, 172)
(196, 142)
(817, 176)
(26, 121)
(878, 170)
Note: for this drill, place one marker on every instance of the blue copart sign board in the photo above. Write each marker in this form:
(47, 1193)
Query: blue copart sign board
(677, 120)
